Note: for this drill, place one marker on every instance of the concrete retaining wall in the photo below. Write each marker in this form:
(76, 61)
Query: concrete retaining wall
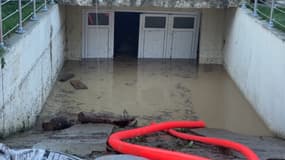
(255, 59)
(211, 41)
(154, 3)
(212, 36)
(32, 63)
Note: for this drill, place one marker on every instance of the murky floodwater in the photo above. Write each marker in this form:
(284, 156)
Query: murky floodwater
(156, 90)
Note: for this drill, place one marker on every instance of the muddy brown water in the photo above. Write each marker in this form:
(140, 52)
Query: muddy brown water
(156, 90)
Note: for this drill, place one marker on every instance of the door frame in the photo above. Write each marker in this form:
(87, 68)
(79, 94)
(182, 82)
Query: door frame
(84, 32)
(142, 29)
(196, 14)
(195, 31)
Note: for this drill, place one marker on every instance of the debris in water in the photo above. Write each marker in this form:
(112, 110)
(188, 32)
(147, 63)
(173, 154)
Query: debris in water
(121, 121)
(63, 77)
(57, 123)
(77, 84)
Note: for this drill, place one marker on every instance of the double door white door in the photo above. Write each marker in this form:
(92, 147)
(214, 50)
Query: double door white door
(99, 34)
(168, 36)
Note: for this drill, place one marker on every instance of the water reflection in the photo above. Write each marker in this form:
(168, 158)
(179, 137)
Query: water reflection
(156, 90)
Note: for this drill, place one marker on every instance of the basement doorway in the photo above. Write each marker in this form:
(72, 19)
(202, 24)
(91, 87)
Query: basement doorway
(126, 38)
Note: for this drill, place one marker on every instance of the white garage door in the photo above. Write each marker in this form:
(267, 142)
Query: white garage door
(182, 37)
(161, 35)
(99, 35)
(168, 36)
(153, 34)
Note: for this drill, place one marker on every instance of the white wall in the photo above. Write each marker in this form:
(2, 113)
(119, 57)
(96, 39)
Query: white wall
(32, 63)
(255, 59)
(211, 41)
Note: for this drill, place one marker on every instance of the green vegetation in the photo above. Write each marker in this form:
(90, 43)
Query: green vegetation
(9, 24)
(11, 7)
(277, 16)
(264, 13)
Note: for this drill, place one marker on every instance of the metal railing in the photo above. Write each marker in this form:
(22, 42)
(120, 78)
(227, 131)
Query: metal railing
(271, 10)
(14, 13)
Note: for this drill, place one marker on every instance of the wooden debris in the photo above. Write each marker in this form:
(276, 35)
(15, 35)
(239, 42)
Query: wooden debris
(121, 121)
(77, 84)
(57, 123)
(63, 77)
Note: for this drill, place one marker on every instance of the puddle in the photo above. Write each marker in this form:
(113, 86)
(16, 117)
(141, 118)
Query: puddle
(219, 102)
(156, 90)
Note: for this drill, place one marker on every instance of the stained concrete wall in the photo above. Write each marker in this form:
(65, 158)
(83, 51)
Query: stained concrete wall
(154, 3)
(212, 36)
(211, 39)
(254, 57)
(32, 63)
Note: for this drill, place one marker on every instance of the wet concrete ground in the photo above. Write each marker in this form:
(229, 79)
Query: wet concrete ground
(152, 91)
(88, 141)
(156, 90)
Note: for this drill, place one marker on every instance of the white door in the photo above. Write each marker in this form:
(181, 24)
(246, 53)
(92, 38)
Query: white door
(99, 35)
(153, 35)
(182, 37)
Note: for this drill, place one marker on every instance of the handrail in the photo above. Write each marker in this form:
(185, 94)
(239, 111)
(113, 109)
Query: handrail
(22, 10)
(269, 10)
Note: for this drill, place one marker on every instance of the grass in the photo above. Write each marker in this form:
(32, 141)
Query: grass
(277, 16)
(12, 21)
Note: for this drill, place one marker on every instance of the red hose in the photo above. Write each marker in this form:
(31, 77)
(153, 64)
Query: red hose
(115, 140)
(247, 152)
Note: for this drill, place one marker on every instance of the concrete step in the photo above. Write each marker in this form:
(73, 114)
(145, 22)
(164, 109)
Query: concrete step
(79, 140)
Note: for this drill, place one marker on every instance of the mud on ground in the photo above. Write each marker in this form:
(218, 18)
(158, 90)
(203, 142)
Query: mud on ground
(88, 141)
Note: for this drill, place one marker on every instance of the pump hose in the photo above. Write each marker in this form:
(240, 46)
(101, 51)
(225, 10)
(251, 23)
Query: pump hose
(115, 141)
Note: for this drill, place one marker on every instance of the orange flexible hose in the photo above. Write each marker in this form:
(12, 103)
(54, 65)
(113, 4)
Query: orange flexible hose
(247, 152)
(115, 141)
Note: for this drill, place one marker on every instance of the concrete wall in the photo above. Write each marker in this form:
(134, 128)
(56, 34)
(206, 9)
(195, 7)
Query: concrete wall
(212, 36)
(32, 63)
(155, 3)
(211, 41)
(255, 59)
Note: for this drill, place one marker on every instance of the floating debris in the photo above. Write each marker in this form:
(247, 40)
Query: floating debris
(77, 84)
(57, 123)
(121, 121)
(63, 77)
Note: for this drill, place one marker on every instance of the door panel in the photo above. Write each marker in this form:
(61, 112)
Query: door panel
(97, 47)
(154, 44)
(153, 34)
(182, 37)
(182, 45)
(99, 35)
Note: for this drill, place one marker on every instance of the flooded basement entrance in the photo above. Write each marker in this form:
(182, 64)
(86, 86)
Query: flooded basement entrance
(156, 90)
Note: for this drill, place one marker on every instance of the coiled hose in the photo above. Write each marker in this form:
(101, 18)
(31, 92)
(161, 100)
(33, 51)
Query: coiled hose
(115, 141)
